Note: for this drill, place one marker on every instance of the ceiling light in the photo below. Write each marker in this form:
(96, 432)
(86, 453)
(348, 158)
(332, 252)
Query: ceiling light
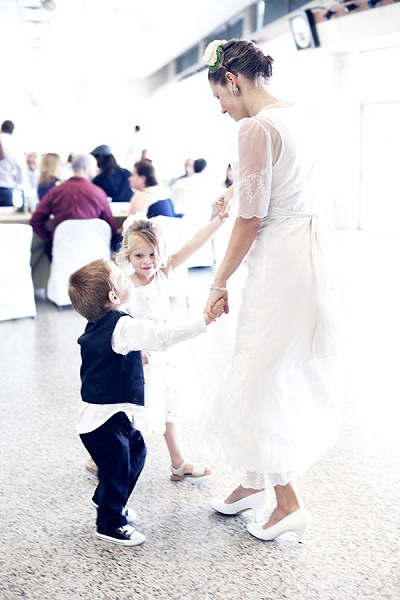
(48, 4)
(350, 7)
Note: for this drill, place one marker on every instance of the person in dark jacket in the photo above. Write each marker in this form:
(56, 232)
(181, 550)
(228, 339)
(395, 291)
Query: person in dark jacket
(112, 382)
(113, 179)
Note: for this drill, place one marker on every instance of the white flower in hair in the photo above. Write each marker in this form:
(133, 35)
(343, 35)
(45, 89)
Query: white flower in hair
(138, 216)
(214, 55)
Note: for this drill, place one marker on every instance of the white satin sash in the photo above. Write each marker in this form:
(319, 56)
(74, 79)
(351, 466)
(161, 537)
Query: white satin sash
(324, 261)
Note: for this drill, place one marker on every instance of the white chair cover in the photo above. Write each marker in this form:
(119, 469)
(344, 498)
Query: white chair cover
(17, 298)
(76, 243)
(175, 237)
(193, 196)
(192, 223)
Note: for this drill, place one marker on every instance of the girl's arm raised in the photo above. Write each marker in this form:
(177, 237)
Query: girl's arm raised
(198, 240)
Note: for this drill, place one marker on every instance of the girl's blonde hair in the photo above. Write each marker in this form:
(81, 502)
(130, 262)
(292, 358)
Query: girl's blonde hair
(50, 168)
(147, 231)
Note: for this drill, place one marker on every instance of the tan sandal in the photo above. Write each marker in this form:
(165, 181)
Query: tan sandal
(197, 471)
(91, 467)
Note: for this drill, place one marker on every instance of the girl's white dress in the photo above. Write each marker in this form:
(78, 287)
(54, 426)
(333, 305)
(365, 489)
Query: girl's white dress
(171, 393)
(278, 410)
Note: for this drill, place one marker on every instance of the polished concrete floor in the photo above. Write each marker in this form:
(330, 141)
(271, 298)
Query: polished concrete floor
(47, 545)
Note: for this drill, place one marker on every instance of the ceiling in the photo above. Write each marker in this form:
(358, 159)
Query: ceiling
(114, 38)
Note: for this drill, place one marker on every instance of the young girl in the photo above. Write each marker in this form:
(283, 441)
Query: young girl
(170, 393)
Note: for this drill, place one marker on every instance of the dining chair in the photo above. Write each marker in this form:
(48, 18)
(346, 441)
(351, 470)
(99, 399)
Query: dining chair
(76, 242)
(17, 297)
(174, 234)
(192, 223)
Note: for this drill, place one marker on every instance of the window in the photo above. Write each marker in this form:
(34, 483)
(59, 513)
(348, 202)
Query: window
(276, 9)
(233, 29)
(187, 59)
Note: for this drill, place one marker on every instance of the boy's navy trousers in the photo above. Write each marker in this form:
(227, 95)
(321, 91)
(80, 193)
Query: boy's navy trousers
(119, 451)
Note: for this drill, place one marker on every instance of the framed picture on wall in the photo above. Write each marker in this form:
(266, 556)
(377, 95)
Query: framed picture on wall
(304, 32)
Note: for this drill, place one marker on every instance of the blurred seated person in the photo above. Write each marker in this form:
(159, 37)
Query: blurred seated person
(189, 170)
(150, 198)
(75, 198)
(13, 167)
(194, 196)
(113, 179)
(50, 173)
(33, 160)
(188, 167)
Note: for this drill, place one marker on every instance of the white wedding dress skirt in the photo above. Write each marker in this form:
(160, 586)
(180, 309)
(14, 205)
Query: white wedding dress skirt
(278, 410)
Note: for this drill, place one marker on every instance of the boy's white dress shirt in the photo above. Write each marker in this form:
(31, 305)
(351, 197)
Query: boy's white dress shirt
(134, 334)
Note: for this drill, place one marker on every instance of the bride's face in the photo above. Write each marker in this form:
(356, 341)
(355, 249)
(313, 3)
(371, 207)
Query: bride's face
(230, 104)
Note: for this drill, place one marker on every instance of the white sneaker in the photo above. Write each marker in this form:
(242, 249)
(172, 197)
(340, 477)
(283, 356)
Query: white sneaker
(125, 535)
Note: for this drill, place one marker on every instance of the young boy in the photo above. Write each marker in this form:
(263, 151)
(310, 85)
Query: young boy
(111, 382)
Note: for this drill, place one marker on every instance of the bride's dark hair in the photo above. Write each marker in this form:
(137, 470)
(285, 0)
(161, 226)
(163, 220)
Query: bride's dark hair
(246, 58)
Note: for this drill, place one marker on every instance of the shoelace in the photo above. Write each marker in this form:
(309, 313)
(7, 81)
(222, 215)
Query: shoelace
(126, 530)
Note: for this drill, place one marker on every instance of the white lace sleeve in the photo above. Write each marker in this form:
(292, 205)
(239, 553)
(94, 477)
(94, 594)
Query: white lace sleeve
(252, 170)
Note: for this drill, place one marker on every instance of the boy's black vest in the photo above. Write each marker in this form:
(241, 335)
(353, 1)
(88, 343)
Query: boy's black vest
(108, 377)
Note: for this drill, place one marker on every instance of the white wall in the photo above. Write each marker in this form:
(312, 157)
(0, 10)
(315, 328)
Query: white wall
(187, 122)
(64, 121)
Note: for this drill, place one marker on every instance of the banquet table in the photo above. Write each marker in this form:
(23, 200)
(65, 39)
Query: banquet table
(10, 214)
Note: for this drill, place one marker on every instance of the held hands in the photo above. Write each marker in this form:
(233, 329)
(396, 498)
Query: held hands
(215, 311)
(223, 203)
(217, 295)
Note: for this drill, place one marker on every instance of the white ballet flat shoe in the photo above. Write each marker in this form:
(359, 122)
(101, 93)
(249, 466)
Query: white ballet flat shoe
(257, 502)
(298, 521)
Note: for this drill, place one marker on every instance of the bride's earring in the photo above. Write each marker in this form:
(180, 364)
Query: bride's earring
(235, 90)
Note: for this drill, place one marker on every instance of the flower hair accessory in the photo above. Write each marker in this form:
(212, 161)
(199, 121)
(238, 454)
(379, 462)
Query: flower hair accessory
(214, 55)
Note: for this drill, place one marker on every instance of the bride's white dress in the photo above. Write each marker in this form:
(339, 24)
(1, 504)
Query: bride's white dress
(278, 410)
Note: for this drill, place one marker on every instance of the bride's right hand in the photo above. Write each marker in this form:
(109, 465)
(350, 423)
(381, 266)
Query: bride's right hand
(214, 297)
